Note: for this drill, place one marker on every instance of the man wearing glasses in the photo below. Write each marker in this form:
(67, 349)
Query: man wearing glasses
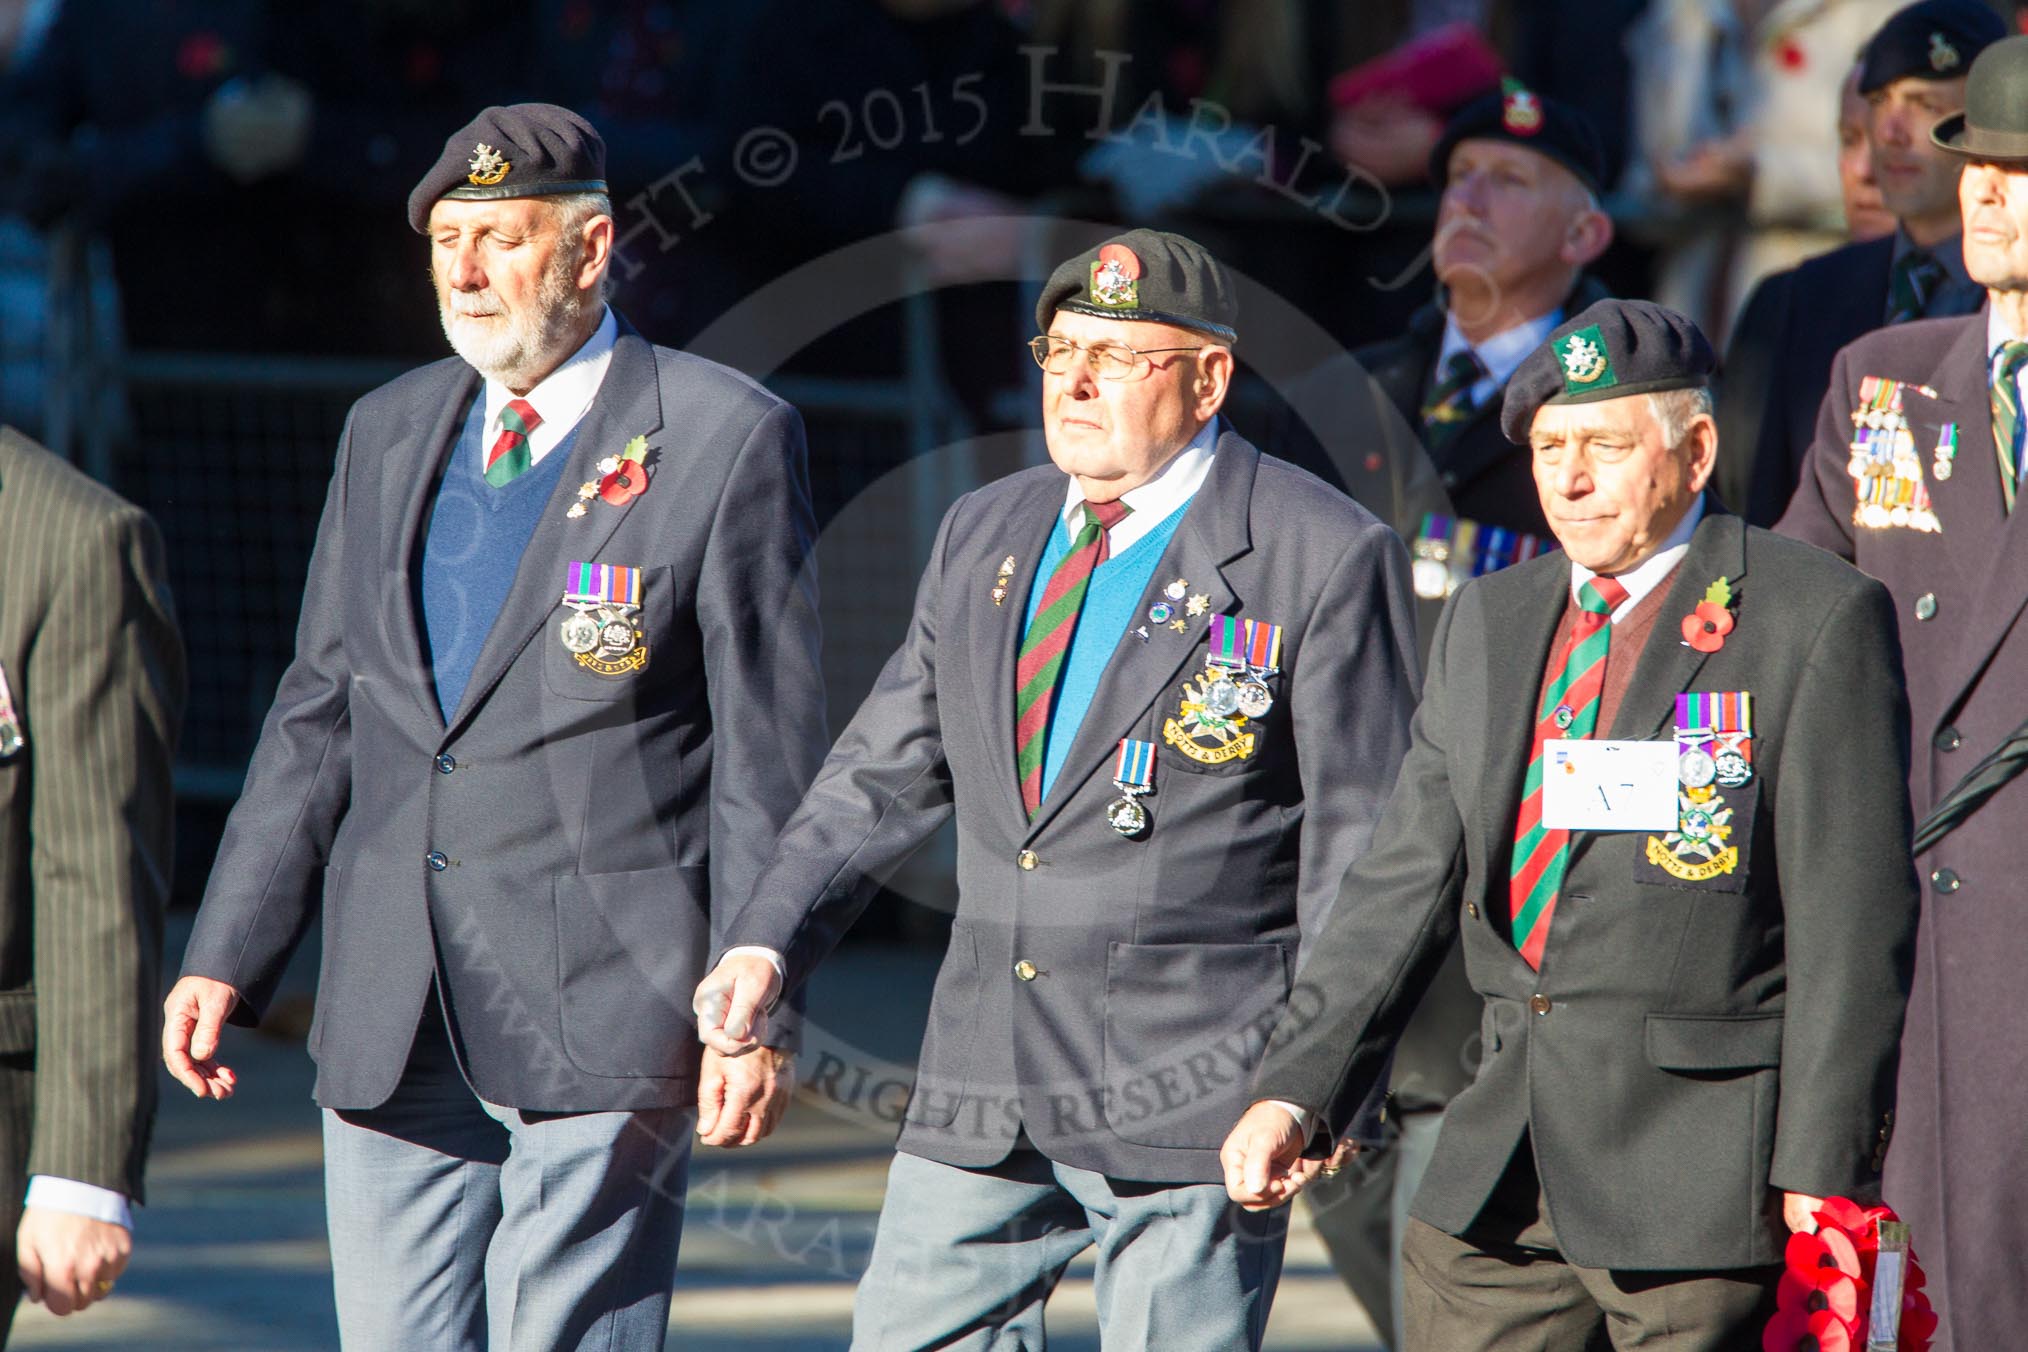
(1165, 684)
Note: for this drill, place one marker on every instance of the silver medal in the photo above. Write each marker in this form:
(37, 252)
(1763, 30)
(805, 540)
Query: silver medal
(1432, 579)
(617, 636)
(580, 632)
(1733, 770)
(1255, 699)
(1127, 817)
(1695, 768)
(1221, 697)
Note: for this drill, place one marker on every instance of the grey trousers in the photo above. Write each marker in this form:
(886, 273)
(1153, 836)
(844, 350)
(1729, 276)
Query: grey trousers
(1504, 1287)
(462, 1226)
(966, 1258)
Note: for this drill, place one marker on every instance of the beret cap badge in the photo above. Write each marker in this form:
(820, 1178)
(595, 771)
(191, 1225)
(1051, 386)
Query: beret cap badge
(1115, 278)
(1520, 110)
(1942, 56)
(1585, 363)
(487, 167)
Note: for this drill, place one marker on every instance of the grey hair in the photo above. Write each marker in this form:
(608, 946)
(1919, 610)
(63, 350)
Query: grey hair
(1674, 411)
(573, 212)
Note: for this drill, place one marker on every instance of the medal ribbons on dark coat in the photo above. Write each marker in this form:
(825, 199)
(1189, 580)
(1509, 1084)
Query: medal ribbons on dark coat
(1210, 726)
(1133, 776)
(1888, 490)
(1451, 551)
(600, 632)
(1714, 751)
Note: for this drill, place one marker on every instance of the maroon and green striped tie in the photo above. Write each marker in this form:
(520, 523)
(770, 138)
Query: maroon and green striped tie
(1569, 708)
(1048, 639)
(509, 458)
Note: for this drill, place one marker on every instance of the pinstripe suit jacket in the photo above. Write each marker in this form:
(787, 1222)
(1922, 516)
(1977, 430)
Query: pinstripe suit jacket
(89, 644)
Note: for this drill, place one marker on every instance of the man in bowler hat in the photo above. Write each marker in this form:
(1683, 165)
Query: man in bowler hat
(1656, 783)
(555, 687)
(1915, 476)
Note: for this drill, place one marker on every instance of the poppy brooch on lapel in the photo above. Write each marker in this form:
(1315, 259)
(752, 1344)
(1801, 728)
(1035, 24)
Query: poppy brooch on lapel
(624, 477)
(1705, 627)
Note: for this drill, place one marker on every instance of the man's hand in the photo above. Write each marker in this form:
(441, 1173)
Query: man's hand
(1799, 1210)
(1263, 1158)
(192, 1018)
(67, 1261)
(731, 1004)
(740, 1099)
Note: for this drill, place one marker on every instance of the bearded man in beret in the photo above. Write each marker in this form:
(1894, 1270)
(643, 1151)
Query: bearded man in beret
(555, 687)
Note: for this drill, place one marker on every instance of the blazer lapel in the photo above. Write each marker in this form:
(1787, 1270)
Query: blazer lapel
(409, 474)
(1667, 665)
(997, 632)
(1214, 531)
(628, 404)
(1517, 653)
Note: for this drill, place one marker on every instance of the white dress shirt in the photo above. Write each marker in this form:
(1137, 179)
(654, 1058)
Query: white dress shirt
(561, 397)
(1153, 502)
(51, 1193)
(1501, 355)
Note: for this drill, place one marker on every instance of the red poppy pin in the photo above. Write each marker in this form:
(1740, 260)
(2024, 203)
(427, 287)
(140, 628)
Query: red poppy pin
(624, 477)
(1705, 627)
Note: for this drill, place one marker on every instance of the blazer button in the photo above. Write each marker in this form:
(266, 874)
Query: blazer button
(438, 862)
(1925, 606)
(1539, 1003)
(1472, 909)
(1027, 860)
(1945, 881)
(446, 763)
(1025, 970)
(1949, 740)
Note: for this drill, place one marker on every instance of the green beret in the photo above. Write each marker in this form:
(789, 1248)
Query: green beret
(526, 150)
(1614, 349)
(1147, 275)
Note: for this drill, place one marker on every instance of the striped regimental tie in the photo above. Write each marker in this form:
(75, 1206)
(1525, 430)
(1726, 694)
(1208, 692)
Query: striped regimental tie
(2007, 416)
(1048, 639)
(1569, 709)
(509, 458)
(1913, 281)
(1450, 405)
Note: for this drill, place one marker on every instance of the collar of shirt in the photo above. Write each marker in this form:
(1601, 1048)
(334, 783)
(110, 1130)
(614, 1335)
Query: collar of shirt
(1648, 576)
(1998, 335)
(1950, 253)
(1502, 354)
(562, 396)
(1154, 500)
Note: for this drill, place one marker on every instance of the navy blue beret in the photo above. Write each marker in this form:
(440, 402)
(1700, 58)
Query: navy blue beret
(525, 150)
(1929, 40)
(1521, 116)
(1613, 349)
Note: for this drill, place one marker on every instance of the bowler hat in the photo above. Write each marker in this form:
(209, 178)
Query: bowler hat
(1994, 124)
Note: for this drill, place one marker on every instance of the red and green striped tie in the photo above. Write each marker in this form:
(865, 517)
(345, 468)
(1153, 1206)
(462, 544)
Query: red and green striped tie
(1569, 709)
(1048, 639)
(509, 459)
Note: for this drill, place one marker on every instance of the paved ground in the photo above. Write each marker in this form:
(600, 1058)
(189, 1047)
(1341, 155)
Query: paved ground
(230, 1252)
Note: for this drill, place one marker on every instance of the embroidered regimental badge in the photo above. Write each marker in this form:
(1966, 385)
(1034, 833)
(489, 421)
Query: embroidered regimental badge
(1585, 363)
(1520, 110)
(1206, 737)
(487, 167)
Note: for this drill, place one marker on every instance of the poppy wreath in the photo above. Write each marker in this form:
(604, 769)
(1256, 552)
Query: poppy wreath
(1825, 1295)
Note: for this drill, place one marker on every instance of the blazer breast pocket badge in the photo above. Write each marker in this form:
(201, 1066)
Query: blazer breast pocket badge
(1212, 716)
(602, 632)
(1888, 490)
(1715, 794)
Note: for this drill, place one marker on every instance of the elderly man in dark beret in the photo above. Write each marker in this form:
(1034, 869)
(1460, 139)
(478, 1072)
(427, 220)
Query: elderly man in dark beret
(1656, 783)
(1164, 681)
(545, 713)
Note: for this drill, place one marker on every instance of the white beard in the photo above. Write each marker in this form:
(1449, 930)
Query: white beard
(510, 345)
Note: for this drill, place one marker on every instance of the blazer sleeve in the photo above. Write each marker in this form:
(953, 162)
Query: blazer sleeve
(882, 791)
(1849, 899)
(106, 687)
(1386, 933)
(1821, 510)
(265, 886)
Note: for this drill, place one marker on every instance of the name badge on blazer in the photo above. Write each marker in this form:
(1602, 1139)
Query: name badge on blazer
(602, 631)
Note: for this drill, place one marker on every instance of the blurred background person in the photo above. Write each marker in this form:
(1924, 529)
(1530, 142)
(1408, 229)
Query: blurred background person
(1778, 365)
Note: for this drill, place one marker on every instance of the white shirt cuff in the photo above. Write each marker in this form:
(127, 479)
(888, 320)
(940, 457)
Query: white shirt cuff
(1302, 1115)
(80, 1199)
(781, 967)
